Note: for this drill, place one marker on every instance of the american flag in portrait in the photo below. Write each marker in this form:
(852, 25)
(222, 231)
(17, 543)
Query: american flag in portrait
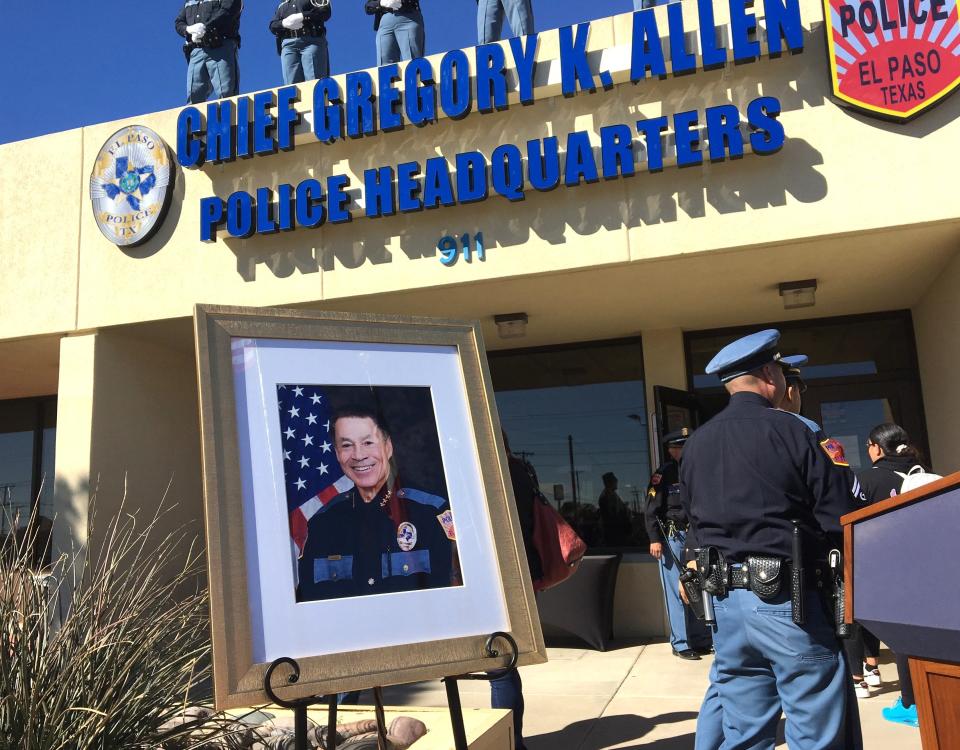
(312, 475)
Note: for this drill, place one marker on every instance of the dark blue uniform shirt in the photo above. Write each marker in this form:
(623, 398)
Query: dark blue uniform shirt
(221, 17)
(664, 500)
(355, 548)
(314, 18)
(750, 470)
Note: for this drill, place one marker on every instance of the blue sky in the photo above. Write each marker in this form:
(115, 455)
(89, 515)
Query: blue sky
(68, 64)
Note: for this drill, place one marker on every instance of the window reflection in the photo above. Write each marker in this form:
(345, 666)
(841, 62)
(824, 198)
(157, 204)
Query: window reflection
(577, 415)
(27, 447)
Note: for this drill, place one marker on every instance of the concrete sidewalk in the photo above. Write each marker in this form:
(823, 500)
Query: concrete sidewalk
(632, 696)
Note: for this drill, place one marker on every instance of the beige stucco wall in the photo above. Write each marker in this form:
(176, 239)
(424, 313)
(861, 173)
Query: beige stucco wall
(844, 201)
(936, 321)
(128, 432)
(837, 176)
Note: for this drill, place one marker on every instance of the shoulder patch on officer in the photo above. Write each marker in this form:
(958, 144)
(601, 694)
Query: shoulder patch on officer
(446, 521)
(422, 497)
(809, 423)
(834, 449)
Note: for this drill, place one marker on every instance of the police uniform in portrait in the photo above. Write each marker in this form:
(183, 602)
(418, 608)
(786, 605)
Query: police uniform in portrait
(664, 514)
(400, 29)
(212, 32)
(764, 491)
(399, 541)
(299, 26)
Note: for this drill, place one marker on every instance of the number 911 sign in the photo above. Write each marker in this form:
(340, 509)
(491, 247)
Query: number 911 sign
(451, 247)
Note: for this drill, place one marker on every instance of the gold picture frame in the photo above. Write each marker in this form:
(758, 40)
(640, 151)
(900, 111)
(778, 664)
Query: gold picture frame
(238, 675)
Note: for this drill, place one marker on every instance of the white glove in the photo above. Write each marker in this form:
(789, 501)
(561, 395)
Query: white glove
(196, 38)
(294, 21)
(197, 30)
(391, 4)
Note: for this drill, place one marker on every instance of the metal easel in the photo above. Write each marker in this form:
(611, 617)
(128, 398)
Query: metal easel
(300, 705)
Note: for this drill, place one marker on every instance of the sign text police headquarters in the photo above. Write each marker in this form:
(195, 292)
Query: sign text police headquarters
(262, 124)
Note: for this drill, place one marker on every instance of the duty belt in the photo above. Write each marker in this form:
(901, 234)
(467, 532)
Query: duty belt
(764, 573)
(305, 31)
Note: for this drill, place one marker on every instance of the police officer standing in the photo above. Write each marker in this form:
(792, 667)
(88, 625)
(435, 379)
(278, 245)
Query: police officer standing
(755, 481)
(666, 524)
(302, 39)
(792, 400)
(490, 15)
(379, 536)
(399, 27)
(212, 32)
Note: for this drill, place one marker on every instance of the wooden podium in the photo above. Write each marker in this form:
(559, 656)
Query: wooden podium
(903, 584)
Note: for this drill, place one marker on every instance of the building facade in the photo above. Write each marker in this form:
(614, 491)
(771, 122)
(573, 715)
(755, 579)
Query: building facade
(627, 282)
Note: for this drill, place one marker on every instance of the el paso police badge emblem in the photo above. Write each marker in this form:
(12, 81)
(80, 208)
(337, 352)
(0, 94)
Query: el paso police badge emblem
(893, 58)
(131, 185)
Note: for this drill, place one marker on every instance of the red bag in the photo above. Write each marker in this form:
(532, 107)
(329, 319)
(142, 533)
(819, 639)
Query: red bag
(558, 545)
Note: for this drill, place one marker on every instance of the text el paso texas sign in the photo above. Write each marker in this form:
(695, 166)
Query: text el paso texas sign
(893, 58)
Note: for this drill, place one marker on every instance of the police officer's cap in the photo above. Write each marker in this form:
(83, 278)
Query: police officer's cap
(791, 370)
(745, 355)
(792, 364)
(677, 437)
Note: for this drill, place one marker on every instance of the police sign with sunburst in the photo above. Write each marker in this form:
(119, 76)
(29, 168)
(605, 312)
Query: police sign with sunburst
(131, 185)
(893, 58)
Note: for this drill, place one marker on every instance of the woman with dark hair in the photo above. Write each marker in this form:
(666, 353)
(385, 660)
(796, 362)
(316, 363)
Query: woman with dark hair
(893, 457)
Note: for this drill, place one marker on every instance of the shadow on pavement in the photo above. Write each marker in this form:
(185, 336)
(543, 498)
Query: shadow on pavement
(608, 731)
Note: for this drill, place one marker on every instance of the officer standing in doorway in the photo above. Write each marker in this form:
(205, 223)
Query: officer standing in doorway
(302, 39)
(764, 495)
(490, 15)
(666, 524)
(212, 32)
(399, 27)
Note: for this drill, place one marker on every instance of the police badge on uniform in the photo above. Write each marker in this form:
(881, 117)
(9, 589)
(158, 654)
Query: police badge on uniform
(406, 536)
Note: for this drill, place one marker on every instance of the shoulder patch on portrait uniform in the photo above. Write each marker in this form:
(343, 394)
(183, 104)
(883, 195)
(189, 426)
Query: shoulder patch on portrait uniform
(446, 522)
(834, 450)
(420, 496)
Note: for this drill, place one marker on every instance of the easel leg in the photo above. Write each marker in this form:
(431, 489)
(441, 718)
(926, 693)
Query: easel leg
(381, 718)
(456, 714)
(300, 727)
(332, 722)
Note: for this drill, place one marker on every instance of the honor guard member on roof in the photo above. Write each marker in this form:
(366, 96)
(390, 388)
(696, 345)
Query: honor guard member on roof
(764, 492)
(399, 27)
(666, 523)
(377, 537)
(302, 39)
(212, 31)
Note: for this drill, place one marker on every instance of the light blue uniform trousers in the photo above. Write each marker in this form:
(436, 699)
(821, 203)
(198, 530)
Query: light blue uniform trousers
(686, 631)
(304, 58)
(400, 37)
(766, 665)
(490, 15)
(213, 70)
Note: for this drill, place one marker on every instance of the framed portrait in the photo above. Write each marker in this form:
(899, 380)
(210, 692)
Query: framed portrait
(359, 511)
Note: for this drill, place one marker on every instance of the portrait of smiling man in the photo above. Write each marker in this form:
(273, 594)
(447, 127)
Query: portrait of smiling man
(382, 535)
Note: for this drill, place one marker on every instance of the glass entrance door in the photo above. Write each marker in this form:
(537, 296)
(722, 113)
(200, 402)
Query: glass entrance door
(848, 412)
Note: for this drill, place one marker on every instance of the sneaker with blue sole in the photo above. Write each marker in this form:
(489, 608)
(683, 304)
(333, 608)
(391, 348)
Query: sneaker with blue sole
(899, 714)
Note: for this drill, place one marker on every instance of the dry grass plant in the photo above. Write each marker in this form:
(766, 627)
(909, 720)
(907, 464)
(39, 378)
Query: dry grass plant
(100, 649)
